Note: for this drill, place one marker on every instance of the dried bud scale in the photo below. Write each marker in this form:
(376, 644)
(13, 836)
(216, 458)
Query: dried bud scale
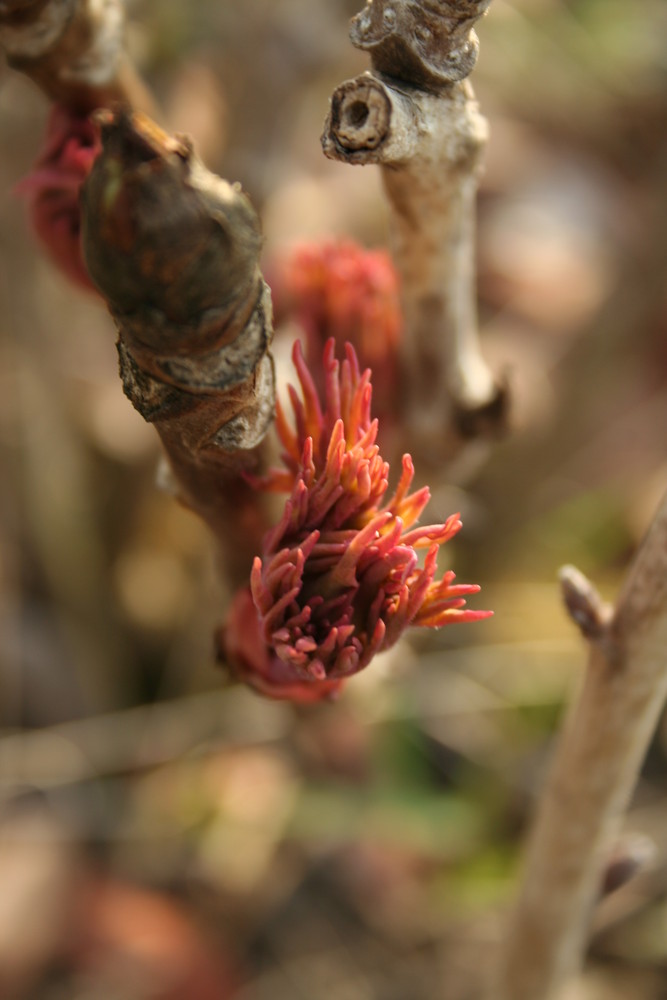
(175, 252)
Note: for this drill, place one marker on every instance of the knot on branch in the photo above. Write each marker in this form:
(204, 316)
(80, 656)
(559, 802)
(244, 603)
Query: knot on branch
(429, 44)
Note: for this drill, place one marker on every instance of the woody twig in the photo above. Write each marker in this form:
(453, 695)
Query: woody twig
(174, 250)
(415, 115)
(593, 774)
(74, 50)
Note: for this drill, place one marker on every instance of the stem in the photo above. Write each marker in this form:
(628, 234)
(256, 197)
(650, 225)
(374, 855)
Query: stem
(73, 50)
(416, 117)
(175, 250)
(593, 775)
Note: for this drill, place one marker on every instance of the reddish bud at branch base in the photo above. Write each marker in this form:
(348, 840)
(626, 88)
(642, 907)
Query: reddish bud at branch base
(339, 578)
(52, 190)
(342, 290)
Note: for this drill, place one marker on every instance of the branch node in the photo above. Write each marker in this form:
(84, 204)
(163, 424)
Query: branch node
(429, 44)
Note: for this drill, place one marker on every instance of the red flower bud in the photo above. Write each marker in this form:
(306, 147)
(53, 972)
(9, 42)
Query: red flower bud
(52, 189)
(341, 290)
(339, 578)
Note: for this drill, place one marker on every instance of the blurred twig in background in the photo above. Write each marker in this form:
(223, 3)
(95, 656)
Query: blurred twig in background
(594, 772)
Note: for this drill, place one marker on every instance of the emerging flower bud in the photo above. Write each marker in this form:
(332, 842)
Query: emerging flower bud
(341, 290)
(339, 579)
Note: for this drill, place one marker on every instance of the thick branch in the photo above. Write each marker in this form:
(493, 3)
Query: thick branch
(593, 774)
(175, 250)
(73, 50)
(414, 118)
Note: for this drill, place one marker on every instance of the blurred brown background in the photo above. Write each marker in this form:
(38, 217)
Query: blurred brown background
(163, 835)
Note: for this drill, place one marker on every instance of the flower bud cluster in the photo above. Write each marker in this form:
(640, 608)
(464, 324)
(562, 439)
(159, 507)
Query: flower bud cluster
(340, 577)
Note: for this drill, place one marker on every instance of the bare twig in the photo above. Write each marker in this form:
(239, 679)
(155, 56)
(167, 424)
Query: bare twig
(593, 774)
(416, 116)
(73, 50)
(137, 738)
(174, 250)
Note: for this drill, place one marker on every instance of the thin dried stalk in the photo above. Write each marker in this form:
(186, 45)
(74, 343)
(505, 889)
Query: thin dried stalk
(593, 775)
(73, 50)
(175, 252)
(416, 117)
